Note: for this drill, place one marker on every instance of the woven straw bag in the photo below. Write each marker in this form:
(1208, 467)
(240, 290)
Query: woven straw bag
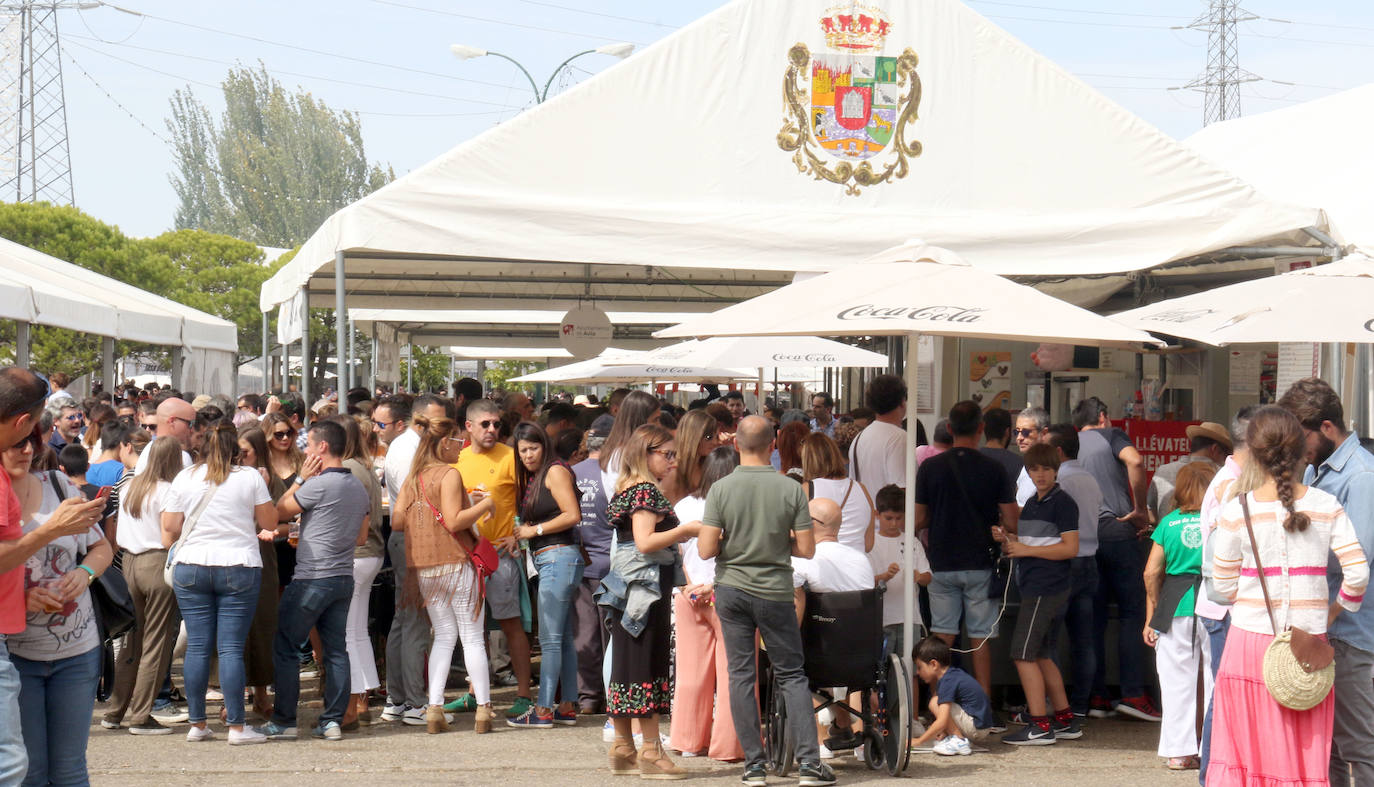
(1297, 683)
(1288, 683)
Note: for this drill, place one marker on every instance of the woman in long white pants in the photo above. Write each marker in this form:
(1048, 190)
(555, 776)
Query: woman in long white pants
(439, 544)
(1172, 580)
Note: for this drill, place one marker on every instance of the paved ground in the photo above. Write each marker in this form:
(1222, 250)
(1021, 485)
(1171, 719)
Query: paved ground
(1110, 753)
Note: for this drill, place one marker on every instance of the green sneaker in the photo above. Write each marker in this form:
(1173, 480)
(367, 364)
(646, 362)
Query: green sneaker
(521, 706)
(464, 704)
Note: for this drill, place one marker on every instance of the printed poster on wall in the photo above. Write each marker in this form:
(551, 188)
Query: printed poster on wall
(1245, 373)
(990, 379)
(1296, 361)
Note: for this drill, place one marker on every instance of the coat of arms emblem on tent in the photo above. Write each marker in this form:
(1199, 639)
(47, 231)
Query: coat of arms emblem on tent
(852, 130)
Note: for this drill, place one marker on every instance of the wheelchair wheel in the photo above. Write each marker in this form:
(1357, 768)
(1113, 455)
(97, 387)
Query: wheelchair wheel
(778, 746)
(895, 709)
(873, 749)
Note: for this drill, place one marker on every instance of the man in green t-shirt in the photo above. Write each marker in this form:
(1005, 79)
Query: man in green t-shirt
(756, 519)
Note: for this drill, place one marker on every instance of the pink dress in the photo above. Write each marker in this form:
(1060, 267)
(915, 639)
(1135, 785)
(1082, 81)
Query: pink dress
(1255, 740)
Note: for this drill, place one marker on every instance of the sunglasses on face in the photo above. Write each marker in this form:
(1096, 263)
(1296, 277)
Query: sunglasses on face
(281, 435)
(1024, 432)
(74, 417)
(380, 426)
(488, 424)
(669, 455)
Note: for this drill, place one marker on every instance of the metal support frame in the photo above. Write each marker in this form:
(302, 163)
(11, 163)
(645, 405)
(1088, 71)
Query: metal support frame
(21, 344)
(340, 323)
(266, 361)
(107, 362)
(35, 161)
(306, 371)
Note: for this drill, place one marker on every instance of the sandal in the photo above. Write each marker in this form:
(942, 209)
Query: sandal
(1189, 763)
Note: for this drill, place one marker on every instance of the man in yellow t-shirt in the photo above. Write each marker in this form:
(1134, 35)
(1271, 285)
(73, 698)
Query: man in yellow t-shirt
(488, 469)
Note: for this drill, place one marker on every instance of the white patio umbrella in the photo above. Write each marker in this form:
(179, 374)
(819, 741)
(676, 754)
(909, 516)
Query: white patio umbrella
(766, 352)
(910, 290)
(1328, 303)
(622, 367)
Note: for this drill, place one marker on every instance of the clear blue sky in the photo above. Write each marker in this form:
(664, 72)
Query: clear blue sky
(423, 101)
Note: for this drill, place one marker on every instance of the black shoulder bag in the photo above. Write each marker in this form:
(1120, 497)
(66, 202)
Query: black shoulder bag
(113, 607)
(997, 586)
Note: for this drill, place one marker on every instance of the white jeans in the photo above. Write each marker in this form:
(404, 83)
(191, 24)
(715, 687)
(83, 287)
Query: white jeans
(451, 599)
(362, 664)
(1178, 657)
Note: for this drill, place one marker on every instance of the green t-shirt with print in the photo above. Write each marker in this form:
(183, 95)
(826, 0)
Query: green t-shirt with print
(1180, 535)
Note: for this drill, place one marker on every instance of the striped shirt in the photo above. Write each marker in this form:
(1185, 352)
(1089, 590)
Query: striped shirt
(1294, 563)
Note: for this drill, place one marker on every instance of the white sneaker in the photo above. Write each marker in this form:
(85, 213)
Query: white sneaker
(392, 712)
(214, 695)
(198, 734)
(415, 717)
(110, 725)
(826, 753)
(953, 746)
(246, 736)
(608, 732)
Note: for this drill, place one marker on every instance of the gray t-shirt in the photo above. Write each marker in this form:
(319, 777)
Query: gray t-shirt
(1098, 453)
(334, 504)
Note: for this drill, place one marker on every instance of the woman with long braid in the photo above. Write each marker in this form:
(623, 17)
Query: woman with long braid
(1296, 528)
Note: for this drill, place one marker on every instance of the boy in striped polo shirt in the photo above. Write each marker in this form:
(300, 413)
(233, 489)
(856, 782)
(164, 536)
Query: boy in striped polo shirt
(1046, 539)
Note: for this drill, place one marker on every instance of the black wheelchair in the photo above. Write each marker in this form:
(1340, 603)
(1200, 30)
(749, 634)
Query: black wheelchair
(843, 645)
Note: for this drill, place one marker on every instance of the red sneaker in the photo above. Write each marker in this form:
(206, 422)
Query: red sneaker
(1139, 708)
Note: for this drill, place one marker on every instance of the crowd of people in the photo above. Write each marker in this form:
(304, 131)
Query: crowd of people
(647, 549)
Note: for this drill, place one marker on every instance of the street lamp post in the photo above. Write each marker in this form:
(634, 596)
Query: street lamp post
(464, 52)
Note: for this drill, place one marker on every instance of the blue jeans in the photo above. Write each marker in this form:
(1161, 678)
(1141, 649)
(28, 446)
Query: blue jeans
(1216, 637)
(305, 604)
(217, 603)
(560, 573)
(14, 758)
(1078, 620)
(57, 698)
(1121, 572)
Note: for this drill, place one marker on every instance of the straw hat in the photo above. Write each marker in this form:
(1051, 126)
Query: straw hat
(1211, 431)
(200, 401)
(1288, 683)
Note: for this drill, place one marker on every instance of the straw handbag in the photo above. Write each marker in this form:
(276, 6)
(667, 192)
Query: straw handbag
(1299, 668)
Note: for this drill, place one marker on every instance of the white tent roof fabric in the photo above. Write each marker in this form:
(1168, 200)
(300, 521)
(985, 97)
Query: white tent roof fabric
(1316, 153)
(1327, 303)
(765, 351)
(671, 160)
(65, 295)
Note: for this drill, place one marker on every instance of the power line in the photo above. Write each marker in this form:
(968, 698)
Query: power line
(598, 13)
(297, 47)
(211, 86)
(306, 76)
(1061, 22)
(503, 22)
(114, 100)
(1073, 10)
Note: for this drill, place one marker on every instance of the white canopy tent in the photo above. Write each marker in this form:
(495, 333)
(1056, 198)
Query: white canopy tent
(671, 180)
(42, 290)
(907, 291)
(1315, 153)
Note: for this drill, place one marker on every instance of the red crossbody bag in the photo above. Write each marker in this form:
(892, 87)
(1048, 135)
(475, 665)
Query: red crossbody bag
(483, 554)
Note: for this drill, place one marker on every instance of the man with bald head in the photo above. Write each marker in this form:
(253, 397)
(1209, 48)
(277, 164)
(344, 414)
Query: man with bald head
(835, 568)
(757, 519)
(175, 417)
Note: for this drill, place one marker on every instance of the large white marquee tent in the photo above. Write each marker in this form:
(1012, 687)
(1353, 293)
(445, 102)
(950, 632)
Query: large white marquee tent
(38, 289)
(662, 184)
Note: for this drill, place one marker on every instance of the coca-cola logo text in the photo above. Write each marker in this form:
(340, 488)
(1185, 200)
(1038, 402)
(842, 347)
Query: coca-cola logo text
(668, 370)
(804, 357)
(1178, 315)
(920, 313)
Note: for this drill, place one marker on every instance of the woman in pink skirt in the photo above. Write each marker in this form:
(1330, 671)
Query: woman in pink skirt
(1255, 740)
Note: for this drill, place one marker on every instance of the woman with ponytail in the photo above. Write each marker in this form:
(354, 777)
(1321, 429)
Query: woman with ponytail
(440, 536)
(1296, 529)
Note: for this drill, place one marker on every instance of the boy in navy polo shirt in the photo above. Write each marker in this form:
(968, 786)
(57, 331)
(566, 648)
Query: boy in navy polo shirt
(1046, 539)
